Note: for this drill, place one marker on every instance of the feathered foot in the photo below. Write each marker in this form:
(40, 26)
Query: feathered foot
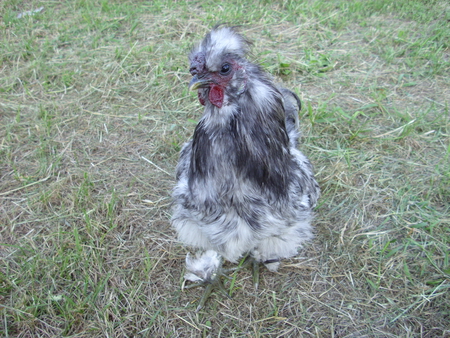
(205, 270)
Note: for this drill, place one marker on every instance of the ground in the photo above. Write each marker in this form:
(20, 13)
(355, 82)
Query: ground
(94, 108)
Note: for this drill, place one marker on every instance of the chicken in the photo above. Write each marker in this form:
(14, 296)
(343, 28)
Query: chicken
(243, 187)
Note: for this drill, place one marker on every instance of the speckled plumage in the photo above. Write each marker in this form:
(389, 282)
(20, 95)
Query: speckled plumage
(242, 187)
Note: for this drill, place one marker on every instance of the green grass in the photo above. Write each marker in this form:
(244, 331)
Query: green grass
(94, 108)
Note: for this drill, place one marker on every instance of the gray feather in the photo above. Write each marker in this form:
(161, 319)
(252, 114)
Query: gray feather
(242, 184)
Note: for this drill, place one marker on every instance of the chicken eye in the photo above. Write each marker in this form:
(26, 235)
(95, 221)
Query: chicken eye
(226, 69)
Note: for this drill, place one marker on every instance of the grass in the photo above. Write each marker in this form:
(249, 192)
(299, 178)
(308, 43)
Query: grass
(94, 107)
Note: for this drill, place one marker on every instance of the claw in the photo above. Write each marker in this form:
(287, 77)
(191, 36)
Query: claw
(206, 270)
(255, 269)
(205, 297)
(208, 289)
(250, 261)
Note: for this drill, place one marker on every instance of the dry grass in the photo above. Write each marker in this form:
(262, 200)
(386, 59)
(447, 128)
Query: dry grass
(94, 107)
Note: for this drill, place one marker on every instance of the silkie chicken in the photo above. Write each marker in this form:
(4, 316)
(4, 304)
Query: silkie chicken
(243, 188)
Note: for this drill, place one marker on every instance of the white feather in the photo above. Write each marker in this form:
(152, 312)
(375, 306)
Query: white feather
(220, 229)
(204, 267)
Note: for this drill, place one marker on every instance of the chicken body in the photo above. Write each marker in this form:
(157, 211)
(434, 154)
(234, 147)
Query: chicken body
(242, 187)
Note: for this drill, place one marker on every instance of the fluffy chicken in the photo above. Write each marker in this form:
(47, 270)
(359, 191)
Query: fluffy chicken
(243, 188)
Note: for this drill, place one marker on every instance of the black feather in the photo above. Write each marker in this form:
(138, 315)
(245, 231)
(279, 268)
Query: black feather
(242, 186)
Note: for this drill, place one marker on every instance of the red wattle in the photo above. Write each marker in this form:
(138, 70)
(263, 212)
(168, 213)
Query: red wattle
(216, 95)
(201, 98)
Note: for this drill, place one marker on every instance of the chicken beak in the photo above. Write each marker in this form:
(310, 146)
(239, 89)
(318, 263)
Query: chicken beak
(197, 83)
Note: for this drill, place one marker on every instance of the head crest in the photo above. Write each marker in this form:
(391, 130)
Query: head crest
(220, 41)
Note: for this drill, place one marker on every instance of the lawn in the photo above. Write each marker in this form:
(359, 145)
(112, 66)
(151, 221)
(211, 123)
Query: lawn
(94, 108)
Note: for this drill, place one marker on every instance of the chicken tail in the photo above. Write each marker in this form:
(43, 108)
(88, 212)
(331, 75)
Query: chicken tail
(292, 106)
